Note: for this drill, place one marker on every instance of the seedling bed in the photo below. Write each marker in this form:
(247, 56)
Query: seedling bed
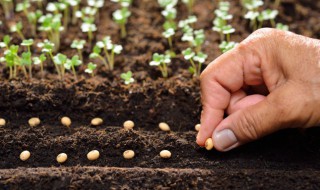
(288, 159)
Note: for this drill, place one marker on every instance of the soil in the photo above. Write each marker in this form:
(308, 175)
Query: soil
(288, 159)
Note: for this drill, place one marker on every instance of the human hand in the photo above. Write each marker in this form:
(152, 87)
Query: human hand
(282, 71)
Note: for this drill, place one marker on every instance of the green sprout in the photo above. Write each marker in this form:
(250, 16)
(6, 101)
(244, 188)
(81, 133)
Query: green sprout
(189, 4)
(252, 5)
(268, 15)
(283, 27)
(96, 4)
(226, 46)
(169, 26)
(121, 18)
(75, 4)
(123, 3)
(88, 27)
(191, 56)
(18, 29)
(90, 68)
(7, 7)
(51, 24)
(39, 61)
(109, 50)
(61, 6)
(161, 61)
(78, 44)
(26, 56)
(5, 42)
(60, 60)
(72, 63)
(220, 22)
(127, 77)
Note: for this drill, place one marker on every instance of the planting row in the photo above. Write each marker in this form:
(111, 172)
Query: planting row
(61, 14)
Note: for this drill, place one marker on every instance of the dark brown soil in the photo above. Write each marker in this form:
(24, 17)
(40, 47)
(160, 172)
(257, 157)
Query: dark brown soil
(286, 160)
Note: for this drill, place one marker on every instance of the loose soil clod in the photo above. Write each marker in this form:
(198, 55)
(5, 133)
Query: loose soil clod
(2, 122)
(25, 155)
(128, 124)
(165, 154)
(33, 122)
(93, 155)
(66, 121)
(96, 121)
(62, 157)
(209, 144)
(164, 126)
(128, 154)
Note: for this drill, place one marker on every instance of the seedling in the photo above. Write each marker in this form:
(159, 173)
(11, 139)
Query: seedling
(199, 58)
(164, 126)
(189, 4)
(170, 13)
(2, 122)
(283, 27)
(88, 27)
(61, 6)
(26, 56)
(197, 127)
(96, 4)
(18, 29)
(127, 77)
(93, 155)
(109, 50)
(121, 17)
(62, 157)
(60, 60)
(209, 144)
(5, 42)
(220, 22)
(252, 5)
(161, 61)
(75, 8)
(7, 7)
(39, 61)
(226, 46)
(72, 64)
(66, 121)
(90, 68)
(167, 3)
(32, 16)
(128, 124)
(165, 154)
(78, 44)
(34, 121)
(128, 154)
(25, 155)
(268, 15)
(96, 121)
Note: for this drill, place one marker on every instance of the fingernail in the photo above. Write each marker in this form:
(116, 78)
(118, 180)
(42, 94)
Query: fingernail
(225, 139)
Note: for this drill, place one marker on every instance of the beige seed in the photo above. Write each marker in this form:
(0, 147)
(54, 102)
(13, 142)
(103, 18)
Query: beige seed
(165, 154)
(197, 127)
(2, 122)
(209, 144)
(128, 154)
(128, 124)
(25, 155)
(93, 155)
(164, 126)
(62, 157)
(96, 121)
(66, 121)
(34, 121)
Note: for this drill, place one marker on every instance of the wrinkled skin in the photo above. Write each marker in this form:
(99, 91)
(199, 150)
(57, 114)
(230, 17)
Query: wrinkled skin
(270, 81)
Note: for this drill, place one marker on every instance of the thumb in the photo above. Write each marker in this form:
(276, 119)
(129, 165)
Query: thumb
(255, 121)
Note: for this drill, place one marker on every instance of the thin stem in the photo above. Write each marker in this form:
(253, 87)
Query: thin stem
(30, 71)
(74, 73)
(194, 66)
(20, 35)
(11, 72)
(57, 68)
(24, 71)
(123, 30)
(104, 62)
(41, 69)
(80, 54)
(170, 43)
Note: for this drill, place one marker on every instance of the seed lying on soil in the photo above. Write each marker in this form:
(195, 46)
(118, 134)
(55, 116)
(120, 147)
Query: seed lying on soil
(34, 121)
(128, 124)
(96, 121)
(62, 157)
(197, 127)
(2, 122)
(128, 154)
(93, 155)
(209, 144)
(25, 155)
(164, 126)
(66, 121)
(165, 154)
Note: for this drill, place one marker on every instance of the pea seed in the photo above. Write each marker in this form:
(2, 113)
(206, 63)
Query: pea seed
(62, 157)
(209, 144)
(2, 122)
(25, 155)
(34, 121)
(93, 155)
(66, 121)
(128, 154)
(128, 124)
(165, 154)
(197, 127)
(96, 121)
(164, 126)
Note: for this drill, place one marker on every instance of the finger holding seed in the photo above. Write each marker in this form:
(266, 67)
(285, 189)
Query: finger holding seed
(66, 121)
(164, 126)
(165, 154)
(62, 157)
(128, 124)
(128, 154)
(34, 121)
(209, 144)
(96, 121)
(25, 155)
(93, 155)
(2, 122)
